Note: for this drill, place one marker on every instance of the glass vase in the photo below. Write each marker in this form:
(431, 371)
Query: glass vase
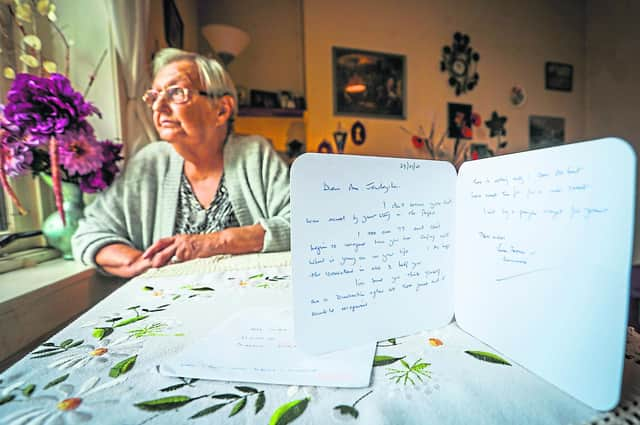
(58, 235)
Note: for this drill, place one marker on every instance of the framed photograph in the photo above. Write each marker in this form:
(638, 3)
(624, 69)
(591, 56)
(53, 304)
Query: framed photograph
(264, 99)
(243, 96)
(545, 131)
(558, 76)
(369, 83)
(479, 151)
(459, 121)
(173, 25)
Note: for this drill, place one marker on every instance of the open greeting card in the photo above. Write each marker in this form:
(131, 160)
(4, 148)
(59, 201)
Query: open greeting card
(531, 252)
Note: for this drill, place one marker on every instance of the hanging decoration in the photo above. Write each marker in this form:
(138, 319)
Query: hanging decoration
(461, 62)
(517, 96)
(496, 129)
(358, 133)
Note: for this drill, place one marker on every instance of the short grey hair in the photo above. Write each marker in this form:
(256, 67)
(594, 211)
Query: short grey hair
(213, 76)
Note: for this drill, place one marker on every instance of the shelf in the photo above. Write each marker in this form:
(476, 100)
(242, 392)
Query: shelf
(270, 112)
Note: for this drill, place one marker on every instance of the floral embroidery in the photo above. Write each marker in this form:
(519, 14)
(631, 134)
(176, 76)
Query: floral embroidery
(101, 353)
(71, 407)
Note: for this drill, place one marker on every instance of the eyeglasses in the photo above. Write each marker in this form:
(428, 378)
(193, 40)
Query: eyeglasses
(174, 94)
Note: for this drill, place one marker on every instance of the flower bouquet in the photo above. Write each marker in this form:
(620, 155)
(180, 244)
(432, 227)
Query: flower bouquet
(44, 129)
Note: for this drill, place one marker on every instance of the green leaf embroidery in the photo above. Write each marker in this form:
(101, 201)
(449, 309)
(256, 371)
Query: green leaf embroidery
(385, 360)
(123, 367)
(351, 410)
(247, 389)
(126, 322)
(75, 344)
(185, 383)
(56, 381)
(203, 288)
(260, 401)
(416, 370)
(208, 410)
(53, 353)
(100, 333)
(226, 396)
(347, 410)
(45, 350)
(49, 344)
(256, 276)
(238, 406)
(175, 297)
(66, 342)
(147, 288)
(6, 399)
(28, 390)
(165, 403)
(488, 357)
(288, 412)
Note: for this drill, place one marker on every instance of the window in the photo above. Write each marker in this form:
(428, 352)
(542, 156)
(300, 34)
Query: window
(35, 198)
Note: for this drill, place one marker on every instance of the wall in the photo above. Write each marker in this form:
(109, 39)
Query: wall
(188, 13)
(613, 68)
(273, 60)
(514, 39)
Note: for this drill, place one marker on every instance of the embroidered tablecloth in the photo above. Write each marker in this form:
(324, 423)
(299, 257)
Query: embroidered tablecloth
(103, 367)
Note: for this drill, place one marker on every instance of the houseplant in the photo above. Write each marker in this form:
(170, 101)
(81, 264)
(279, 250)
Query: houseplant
(44, 130)
(44, 127)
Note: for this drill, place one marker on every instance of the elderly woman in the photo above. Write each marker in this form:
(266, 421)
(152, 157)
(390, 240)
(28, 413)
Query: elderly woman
(202, 191)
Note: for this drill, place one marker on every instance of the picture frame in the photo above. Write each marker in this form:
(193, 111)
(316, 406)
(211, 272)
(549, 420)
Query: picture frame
(545, 131)
(264, 99)
(368, 83)
(558, 76)
(173, 25)
(459, 124)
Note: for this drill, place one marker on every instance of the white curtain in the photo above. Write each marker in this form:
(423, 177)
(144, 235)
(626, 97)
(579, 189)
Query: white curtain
(129, 28)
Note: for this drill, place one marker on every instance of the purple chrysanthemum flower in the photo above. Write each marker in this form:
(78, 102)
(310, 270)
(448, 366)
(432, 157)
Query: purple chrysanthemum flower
(46, 106)
(17, 159)
(79, 153)
(93, 182)
(102, 178)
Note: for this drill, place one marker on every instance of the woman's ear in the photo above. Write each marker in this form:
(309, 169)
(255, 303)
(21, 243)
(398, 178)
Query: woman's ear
(226, 104)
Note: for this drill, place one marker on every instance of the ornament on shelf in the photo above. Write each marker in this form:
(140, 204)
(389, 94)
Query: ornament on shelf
(325, 147)
(340, 138)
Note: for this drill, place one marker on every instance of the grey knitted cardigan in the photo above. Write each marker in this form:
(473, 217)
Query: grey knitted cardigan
(140, 206)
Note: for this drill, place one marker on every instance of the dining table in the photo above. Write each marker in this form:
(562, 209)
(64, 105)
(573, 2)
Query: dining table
(104, 367)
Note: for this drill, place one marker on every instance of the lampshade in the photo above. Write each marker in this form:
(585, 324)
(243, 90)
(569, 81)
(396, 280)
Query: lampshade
(355, 85)
(227, 41)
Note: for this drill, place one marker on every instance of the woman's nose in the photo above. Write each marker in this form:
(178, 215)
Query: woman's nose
(160, 103)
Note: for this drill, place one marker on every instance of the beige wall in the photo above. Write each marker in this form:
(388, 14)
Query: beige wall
(273, 59)
(613, 72)
(188, 13)
(514, 39)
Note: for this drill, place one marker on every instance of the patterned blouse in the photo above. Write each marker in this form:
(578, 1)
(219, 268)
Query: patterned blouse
(192, 218)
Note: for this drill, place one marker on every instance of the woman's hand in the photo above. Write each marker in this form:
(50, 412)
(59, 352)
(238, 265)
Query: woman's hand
(233, 240)
(122, 260)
